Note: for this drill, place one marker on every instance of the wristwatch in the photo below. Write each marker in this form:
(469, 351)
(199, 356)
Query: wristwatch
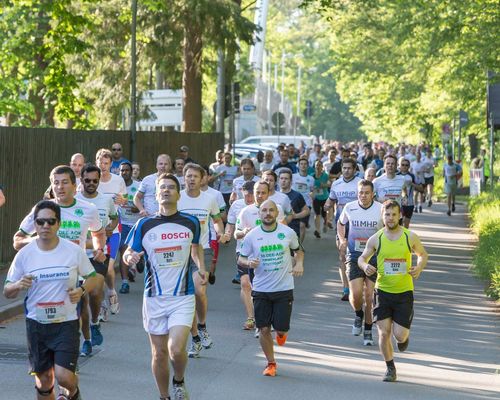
(83, 290)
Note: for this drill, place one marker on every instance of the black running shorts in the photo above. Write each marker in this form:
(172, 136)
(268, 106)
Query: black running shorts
(407, 211)
(397, 306)
(354, 272)
(273, 308)
(100, 268)
(50, 344)
(429, 181)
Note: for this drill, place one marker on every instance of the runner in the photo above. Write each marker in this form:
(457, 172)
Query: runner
(393, 311)
(268, 251)
(249, 218)
(284, 163)
(145, 198)
(117, 154)
(136, 171)
(226, 174)
(364, 219)
(48, 269)
(408, 204)
(304, 184)
(417, 168)
(109, 219)
(268, 162)
(279, 198)
(129, 215)
(112, 185)
(320, 196)
(248, 174)
(452, 172)
(232, 217)
(76, 164)
(430, 164)
(202, 206)
(390, 186)
(179, 164)
(299, 207)
(343, 191)
(370, 174)
(214, 242)
(167, 240)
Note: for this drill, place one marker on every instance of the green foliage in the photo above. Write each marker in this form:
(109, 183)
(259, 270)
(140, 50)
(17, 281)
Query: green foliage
(485, 216)
(407, 64)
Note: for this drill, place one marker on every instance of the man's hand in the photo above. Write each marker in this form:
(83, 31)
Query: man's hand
(75, 295)
(298, 269)
(253, 262)
(415, 271)
(109, 231)
(370, 270)
(225, 238)
(25, 282)
(99, 255)
(143, 213)
(202, 275)
(135, 257)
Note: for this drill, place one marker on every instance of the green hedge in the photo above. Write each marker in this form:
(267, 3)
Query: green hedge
(485, 222)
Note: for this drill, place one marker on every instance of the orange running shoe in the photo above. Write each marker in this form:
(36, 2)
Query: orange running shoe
(281, 340)
(270, 370)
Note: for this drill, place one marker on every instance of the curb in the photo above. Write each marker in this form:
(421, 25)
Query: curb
(11, 310)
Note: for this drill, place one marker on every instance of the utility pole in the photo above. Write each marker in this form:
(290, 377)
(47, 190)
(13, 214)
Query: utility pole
(269, 81)
(220, 112)
(283, 90)
(133, 84)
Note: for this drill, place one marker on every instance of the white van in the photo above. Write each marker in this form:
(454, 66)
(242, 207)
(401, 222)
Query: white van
(274, 139)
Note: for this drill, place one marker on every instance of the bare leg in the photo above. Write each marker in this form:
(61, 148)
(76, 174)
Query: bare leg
(159, 362)
(384, 338)
(246, 295)
(178, 336)
(267, 344)
(67, 380)
(44, 381)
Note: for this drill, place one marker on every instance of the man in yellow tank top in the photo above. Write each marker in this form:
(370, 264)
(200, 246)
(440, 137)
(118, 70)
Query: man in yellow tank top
(393, 308)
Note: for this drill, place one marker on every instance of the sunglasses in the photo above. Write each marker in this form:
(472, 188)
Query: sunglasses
(42, 221)
(87, 180)
(117, 149)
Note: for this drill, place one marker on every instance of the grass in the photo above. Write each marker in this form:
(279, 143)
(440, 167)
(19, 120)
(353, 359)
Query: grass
(485, 222)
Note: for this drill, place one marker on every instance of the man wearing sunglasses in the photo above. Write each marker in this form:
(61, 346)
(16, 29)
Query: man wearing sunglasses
(117, 158)
(48, 268)
(108, 214)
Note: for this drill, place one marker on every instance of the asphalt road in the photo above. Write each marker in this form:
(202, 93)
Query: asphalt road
(454, 351)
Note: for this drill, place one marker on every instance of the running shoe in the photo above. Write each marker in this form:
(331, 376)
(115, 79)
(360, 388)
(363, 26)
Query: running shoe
(194, 349)
(104, 313)
(448, 213)
(330, 225)
(132, 273)
(236, 279)
(206, 340)
(96, 335)
(345, 295)
(257, 333)
(114, 306)
(281, 339)
(125, 288)
(211, 278)
(420, 209)
(357, 326)
(367, 338)
(86, 348)
(179, 392)
(316, 233)
(249, 324)
(325, 228)
(404, 345)
(270, 370)
(453, 207)
(429, 204)
(390, 375)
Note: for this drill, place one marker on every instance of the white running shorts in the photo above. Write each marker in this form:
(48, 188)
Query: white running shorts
(160, 313)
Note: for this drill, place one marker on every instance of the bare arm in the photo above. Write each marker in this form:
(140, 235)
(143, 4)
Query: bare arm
(422, 255)
(21, 240)
(298, 268)
(247, 262)
(303, 213)
(98, 242)
(366, 255)
(198, 257)
(138, 199)
(11, 289)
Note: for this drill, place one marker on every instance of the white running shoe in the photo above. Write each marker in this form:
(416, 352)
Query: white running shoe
(114, 306)
(194, 349)
(206, 340)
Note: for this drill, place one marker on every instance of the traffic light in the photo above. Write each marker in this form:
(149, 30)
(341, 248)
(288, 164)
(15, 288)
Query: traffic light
(308, 112)
(236, 99)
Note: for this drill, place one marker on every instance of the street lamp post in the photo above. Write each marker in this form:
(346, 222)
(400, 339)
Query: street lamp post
(133, 84)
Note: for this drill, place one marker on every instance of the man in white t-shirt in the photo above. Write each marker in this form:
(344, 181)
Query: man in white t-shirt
(430, 164)
(364, 217)
(226, 174)
(145, 198)
(249, 218)
(452, 172)
(48, 268)
(112, 185)
(417, 168)
(302, 182)
(267, 250)
(279, 198)
(109, 219)
(248, 174)
(179, 164)
(76, 164)
(202, 206)
(390, 186)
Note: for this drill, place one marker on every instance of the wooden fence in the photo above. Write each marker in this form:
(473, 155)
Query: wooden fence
(27, 155)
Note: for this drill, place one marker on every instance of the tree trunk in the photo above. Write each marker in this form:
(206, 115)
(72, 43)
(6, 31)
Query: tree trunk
(192, 79)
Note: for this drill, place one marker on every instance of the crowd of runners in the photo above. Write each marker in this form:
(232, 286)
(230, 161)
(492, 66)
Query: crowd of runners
(100, 217)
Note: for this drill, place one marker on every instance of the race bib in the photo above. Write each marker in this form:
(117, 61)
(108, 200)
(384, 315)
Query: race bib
(360, 244)
(302, 187)
(228, 183)
(53, 312)
(395, 266)
(318, 191)
(169, 257)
